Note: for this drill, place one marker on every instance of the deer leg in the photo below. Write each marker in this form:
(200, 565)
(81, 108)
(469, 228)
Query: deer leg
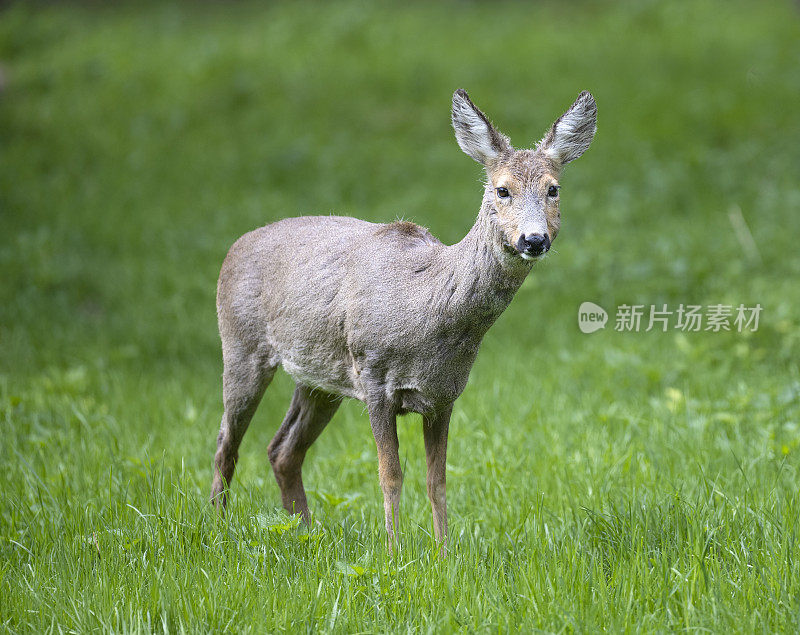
(383, 420)
(309, 413)
(244, 380)
(434, 428)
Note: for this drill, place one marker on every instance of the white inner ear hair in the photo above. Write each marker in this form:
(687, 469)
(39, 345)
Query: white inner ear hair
(472, 133)
(572, 137)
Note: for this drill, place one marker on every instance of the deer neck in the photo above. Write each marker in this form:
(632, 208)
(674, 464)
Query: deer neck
(483, 275)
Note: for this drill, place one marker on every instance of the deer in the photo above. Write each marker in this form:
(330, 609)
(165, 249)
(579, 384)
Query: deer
(384, 313)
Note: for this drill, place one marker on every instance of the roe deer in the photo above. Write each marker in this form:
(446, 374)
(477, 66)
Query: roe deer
(385, 314)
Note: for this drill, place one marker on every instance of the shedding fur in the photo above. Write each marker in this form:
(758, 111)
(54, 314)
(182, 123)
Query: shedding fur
(406, 230)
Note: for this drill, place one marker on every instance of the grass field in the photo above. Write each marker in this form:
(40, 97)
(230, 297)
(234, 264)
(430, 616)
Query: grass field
(618, 481)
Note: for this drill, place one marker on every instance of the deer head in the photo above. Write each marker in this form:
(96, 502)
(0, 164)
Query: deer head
(522, 190)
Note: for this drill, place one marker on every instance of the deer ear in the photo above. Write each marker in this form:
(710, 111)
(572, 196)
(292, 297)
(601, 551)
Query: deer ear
(475, 134)
(572, 132)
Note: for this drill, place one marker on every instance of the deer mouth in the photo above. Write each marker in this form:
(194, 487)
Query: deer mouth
(532, 257)
(524, 255)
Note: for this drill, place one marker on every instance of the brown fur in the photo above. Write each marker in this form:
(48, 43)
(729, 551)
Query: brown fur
(407, 230)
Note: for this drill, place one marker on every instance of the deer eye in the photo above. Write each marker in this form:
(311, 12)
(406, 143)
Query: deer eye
(553, 190)
(502, 192)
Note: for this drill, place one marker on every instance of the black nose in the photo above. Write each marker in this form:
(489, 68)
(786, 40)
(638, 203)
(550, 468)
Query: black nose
(533, 244)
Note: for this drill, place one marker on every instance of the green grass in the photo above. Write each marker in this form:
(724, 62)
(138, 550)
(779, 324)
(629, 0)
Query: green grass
(613, 481)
